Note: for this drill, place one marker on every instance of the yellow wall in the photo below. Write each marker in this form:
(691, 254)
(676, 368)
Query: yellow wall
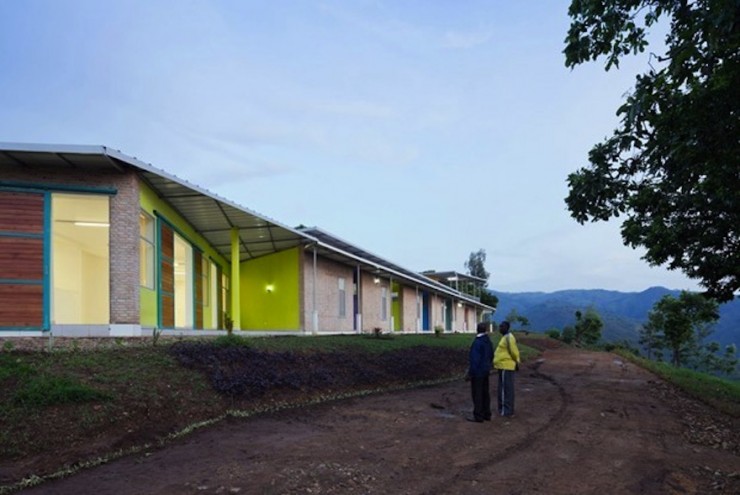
(148, 298)
(279, 308)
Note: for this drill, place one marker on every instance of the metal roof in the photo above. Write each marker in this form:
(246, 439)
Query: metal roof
(210, 215)
(452, 276)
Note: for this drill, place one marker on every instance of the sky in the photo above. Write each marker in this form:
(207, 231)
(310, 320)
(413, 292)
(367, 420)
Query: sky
(420, 131)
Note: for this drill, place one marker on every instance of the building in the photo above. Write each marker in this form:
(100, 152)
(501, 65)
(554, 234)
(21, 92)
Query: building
(97, 243)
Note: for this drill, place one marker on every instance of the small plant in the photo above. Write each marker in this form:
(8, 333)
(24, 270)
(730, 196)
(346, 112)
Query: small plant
(8, 346)
(378, 332)
(156, 333)
(438, 330)
(228, 324)
(230, 340)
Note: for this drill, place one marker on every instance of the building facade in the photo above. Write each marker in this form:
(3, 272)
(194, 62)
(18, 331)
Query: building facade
(96, 243)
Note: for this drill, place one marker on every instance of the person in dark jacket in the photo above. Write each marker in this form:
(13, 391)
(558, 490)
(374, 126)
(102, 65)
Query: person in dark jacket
(480, 362)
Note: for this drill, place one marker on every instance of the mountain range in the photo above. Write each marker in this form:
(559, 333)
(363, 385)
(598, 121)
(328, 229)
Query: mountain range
(622, 312)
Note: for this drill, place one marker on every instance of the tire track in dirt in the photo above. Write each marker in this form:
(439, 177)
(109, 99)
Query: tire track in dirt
(558, 419)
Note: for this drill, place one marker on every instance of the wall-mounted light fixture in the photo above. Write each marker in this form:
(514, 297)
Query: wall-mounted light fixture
(459, 304)
(91, 224)
(269, 288)
(376, 280)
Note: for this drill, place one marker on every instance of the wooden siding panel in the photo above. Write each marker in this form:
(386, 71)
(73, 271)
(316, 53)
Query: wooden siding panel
(168, 276)
(167, 273)
(168, 241)
(21, 305)
(168, 311)
(21, 258)
(21, 212)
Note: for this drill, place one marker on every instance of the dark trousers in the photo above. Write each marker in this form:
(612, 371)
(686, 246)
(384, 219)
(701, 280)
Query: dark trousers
(505, 394)
(480, 390)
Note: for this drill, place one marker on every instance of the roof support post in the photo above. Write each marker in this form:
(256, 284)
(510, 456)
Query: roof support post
(315, 314)
(236, 316)
(418, 311)
(390, 305)
(358, 296)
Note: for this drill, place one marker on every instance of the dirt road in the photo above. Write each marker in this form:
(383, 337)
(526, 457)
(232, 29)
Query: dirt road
(586, 423)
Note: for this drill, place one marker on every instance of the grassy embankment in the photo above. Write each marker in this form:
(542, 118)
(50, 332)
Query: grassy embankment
(721, 394)
(70, 398)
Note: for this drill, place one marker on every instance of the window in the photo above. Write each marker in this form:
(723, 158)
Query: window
(342, 299)
(184, 283)
(384, 303)
(213, 283)
(80, 259)
(146, 250)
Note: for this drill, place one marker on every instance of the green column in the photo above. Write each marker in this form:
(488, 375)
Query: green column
(235, 280)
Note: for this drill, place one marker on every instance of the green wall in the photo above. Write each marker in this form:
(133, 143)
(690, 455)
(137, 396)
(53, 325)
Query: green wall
(278, 309)
(148, 298)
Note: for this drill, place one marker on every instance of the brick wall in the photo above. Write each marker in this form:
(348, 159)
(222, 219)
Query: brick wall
(327, 294)
(124, 229)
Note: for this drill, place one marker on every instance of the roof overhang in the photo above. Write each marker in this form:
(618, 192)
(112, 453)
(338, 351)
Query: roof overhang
(211, 216)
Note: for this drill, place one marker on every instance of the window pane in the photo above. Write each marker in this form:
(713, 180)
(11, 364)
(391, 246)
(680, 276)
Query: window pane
(383, 304)
(80, 259)
(146, 250)
(342, 299)
(183, 283)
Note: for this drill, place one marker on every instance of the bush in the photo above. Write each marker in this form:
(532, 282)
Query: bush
(553, 333)
(568, 335)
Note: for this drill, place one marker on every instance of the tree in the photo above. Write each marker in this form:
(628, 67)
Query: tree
(709, 359)
(569, 334)
(476, 265)
(476, 268)
(672, 165)
(683, 323)
(588, 327)
(514, 317)
(650, 340)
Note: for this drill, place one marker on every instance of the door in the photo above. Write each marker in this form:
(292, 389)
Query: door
(425, 311)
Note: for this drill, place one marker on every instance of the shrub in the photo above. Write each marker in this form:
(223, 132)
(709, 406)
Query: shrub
(553, 333)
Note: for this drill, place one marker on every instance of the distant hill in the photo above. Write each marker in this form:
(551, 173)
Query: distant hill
(623, 312)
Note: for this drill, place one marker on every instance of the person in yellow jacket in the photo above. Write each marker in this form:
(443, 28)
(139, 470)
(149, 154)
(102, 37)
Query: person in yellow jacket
(506, 360)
